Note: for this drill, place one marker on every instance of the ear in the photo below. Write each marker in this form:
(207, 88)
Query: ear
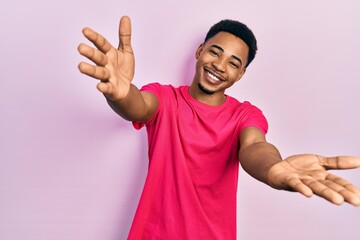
(199, 50)
(241, 74)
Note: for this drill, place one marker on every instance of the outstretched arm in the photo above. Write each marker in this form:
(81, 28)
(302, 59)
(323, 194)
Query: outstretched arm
(115, 70)
(305, 173)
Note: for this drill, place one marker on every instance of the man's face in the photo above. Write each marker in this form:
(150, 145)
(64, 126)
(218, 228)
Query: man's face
(221, 62)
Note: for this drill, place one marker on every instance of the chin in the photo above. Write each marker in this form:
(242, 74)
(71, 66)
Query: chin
(205, 90)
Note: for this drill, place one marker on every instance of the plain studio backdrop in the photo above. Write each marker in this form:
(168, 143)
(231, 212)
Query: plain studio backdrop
(72, 169)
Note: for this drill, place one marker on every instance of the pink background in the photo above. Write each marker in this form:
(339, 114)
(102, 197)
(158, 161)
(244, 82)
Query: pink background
(71, 169)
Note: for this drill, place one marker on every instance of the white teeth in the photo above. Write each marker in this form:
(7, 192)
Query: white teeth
(213, 77)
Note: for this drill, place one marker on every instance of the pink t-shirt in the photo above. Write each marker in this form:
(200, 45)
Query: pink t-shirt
(190, 189)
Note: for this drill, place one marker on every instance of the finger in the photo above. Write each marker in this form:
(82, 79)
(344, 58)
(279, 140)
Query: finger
(296, 185)
(349, 196)
(344, 183)
(340, 162)
(97, 39)
(105, 87)
(125, 34)
(323, 191)
(97, 72)
(94, 55)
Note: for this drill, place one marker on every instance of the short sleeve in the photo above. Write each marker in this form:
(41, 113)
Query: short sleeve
(254, 117)
(154, 88)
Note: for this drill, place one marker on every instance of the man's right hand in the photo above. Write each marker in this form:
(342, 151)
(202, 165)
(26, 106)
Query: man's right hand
(113, 67)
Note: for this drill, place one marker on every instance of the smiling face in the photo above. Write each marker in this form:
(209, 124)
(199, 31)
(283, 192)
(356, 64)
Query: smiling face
(221, 62)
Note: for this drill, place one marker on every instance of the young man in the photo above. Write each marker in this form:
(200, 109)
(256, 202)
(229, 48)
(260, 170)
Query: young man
(197, 136)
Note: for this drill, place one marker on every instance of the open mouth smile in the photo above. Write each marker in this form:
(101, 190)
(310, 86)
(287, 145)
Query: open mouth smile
(213, 77)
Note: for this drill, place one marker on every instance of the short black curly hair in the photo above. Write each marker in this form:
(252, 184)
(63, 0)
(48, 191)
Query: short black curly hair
(238, 29)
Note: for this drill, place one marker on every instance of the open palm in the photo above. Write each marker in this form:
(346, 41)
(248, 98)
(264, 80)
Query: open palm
(113, 67)
(307, 174)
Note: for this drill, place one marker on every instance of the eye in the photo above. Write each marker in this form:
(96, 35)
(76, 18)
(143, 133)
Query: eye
(234, 65)
(214, 53)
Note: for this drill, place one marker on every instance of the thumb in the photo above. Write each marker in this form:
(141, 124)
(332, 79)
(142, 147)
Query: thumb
(340, 162)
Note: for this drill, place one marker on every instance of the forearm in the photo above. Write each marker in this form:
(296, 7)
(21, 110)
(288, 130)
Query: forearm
(256, 159)
(132, 107)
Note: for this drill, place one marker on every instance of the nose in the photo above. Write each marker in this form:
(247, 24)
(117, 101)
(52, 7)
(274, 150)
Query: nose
(220, 65)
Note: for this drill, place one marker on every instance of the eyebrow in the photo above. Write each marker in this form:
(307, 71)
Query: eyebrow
(222, 50)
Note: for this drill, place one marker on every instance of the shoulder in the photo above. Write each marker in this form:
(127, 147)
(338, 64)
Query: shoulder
(248, 115)
(245, 107)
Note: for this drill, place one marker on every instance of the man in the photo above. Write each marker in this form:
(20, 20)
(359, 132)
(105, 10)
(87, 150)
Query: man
(197, 136)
